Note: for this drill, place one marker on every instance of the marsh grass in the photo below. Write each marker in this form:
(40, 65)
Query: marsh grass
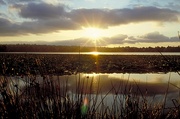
(51, 98)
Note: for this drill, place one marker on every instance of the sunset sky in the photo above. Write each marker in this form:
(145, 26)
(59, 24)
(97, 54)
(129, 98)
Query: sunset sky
(113, 23)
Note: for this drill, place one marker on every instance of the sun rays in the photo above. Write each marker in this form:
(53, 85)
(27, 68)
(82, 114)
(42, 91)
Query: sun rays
(95, 36)
(93, 33)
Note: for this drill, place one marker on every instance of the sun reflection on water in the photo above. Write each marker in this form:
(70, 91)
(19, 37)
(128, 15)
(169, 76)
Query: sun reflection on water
(94, 53)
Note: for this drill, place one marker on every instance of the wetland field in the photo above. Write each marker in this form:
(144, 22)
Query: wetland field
(89, 86)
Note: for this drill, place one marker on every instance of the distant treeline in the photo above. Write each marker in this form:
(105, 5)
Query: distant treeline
(54, 48)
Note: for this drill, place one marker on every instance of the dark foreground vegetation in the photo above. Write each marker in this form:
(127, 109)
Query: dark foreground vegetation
(54, 48)
(44, 64)
(50, 99)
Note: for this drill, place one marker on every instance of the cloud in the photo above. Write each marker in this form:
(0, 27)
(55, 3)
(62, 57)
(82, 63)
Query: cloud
(2, 2)
(47, 26)
(118, 39)
(1, 14)
(36, 18)
(11, 2)
(41, 11)
(75, 42)
(156, 37)
(9, 28)
(149, 14)
(174, 5)
(153, 37)
(123, 16)
(101, 17)
(27, 0)
(89, 17)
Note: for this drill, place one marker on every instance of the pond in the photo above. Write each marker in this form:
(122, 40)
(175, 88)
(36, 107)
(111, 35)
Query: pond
(154, 87)
(126, 82)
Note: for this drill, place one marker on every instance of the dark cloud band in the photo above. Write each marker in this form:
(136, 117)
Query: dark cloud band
(47, 18)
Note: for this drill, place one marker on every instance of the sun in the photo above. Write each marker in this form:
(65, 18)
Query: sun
(92, 33)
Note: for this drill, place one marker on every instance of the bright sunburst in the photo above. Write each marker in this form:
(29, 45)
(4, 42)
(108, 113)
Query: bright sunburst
(94, 36)
(93, 33)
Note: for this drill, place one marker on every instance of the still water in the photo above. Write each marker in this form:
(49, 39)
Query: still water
(153, 86)
(98, 53)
